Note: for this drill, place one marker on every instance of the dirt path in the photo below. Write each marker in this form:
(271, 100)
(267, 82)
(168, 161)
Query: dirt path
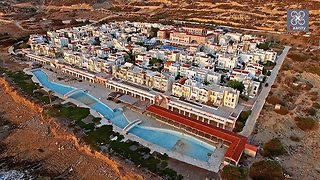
(33, 139)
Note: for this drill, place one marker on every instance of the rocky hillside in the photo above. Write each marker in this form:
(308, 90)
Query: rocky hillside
(273, 4)
(268, 15)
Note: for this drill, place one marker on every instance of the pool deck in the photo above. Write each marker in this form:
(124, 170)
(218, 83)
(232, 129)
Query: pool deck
(101, 93)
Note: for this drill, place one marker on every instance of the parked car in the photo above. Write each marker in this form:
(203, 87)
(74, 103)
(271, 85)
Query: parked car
(266, 85)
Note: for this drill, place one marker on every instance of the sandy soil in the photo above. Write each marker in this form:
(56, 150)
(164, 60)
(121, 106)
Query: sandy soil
(302, 159)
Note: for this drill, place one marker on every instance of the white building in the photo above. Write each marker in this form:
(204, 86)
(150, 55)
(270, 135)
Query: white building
(227, 61)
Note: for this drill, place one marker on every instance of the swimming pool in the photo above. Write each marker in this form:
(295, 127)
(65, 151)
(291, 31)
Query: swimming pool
(170, 48)
(168, 139)
(59, 88)
(175, 141)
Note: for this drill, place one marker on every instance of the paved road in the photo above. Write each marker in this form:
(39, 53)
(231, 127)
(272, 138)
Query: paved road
(258, 105)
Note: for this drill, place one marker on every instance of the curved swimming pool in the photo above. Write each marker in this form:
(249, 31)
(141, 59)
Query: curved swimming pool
(171, 140)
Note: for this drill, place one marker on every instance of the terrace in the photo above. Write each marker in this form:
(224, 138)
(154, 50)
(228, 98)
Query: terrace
(236, 143)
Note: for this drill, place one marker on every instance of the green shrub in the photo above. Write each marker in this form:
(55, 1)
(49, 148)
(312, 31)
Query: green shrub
(241, 121)
(101, 135)
(273, 147)
(236, 85)
(295, 138)
(282, 111)
(266, 170)
(74, 113)
(316, 105)
(273, 100)
(239, 126)
(305, 124)
(312, 112)
(244, 116)
(69, 112)
(233, 173)
(265, 46)
(96, 120)
(89, 126)
(268, 73)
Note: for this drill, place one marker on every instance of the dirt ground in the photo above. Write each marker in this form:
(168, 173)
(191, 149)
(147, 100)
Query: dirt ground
(302, 158)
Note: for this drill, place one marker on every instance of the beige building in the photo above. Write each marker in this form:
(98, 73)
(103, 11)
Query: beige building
(186, 35)
(73, 58)
(131, 73)
(161, 82)
(45, 50)
(213, 95)
(231, 98)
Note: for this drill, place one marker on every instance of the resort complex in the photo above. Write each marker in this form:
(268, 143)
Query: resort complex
(194, 81)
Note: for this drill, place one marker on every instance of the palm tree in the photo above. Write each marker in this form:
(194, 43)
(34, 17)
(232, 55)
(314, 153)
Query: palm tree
(50, 93)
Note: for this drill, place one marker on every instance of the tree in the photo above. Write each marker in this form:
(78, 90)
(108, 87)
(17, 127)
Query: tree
(97, 41)
(154, 32)
(50, 93)
(140, 43)
(265, 46)
(273, 147)
(233, 173)
(155, 61)
(236, 85)
(265, 170)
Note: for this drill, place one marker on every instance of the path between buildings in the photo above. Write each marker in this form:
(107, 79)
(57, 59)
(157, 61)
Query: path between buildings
(258, 105)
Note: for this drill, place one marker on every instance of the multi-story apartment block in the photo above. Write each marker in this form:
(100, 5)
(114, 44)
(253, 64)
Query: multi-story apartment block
(203, 60)
(214, 95)
(254, 68)
(142, 60)
(213, 77)
(174, 56)
(234, 36)
(162, 82)
(117, 58)
(227, 61)
(60, 41)
(73, 58)
(185, 35)
(270, 56)
(129, 72)
(199, 94)
(174, 69)
(251, 86)
(231, 97)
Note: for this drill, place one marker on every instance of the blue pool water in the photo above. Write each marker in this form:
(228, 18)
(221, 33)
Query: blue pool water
(170, 48)
(179, 143)
(59, 88)
(170, 140)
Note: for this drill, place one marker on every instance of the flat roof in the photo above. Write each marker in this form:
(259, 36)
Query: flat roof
(128, 99)
(221, 111)
(237, 142)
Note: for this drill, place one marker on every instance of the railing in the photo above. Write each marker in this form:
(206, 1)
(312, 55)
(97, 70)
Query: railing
(70, 93)
(131, 125)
